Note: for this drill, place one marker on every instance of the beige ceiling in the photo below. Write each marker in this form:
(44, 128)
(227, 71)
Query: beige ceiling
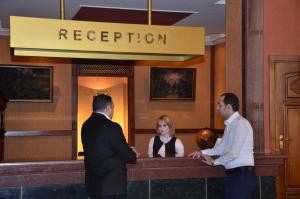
(204, 12)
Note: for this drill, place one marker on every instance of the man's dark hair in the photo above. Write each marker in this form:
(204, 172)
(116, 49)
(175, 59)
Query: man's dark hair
(232, 99)
(100, 102)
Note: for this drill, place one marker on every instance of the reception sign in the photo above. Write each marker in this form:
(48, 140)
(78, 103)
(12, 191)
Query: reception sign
(81, 39)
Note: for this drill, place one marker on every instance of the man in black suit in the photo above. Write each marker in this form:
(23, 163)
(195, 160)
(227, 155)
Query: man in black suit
(106, 152)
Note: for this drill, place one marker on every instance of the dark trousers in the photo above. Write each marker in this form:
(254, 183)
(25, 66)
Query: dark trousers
(240, 185)
(110, 197)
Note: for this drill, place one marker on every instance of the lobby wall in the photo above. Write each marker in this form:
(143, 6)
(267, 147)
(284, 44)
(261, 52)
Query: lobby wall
(26, 116)
(185, 115)
(41, 117)
(281, 37)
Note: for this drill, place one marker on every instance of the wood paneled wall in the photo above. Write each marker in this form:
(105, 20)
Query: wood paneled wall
(281, 37)
(26, 116)
(192, 114)
(29, 116)
(38, 146)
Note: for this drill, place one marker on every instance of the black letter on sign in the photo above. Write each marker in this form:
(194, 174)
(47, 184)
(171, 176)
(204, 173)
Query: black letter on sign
(91, 35)
(77, 35)
(149, 40)
(118, 35)
(62, 32)
(129, 36)
(162, 39)
(104, 36)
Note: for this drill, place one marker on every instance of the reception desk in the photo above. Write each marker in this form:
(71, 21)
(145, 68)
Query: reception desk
(150, 178)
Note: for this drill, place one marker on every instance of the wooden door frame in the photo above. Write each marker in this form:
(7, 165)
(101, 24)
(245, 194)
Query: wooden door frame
(108, 68)
(274, 138)
(274, 134)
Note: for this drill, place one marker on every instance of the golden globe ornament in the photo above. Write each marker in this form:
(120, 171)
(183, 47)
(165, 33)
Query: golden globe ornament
(206, 139)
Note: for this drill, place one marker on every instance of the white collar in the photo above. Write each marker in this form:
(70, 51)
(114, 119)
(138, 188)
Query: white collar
(231, 118)
(102, 114)
(165, 138)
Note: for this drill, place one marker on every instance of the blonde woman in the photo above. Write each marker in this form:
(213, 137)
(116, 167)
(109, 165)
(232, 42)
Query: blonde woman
(165, 144)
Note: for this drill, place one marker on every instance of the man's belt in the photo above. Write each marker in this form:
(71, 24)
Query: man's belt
(239, 169)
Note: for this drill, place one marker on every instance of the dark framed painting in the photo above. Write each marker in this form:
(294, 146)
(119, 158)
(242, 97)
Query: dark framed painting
(26, 83)
(172, 84)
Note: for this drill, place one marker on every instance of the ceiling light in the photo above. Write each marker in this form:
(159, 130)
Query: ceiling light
(3, 31)
(140, 9)
(222, 2)
(214, 39)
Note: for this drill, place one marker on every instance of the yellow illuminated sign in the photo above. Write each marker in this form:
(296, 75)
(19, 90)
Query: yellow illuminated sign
(81, 39)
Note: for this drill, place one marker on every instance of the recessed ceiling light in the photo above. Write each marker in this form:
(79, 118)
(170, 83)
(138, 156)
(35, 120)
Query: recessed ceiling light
(108, 7)
(214, 39)
(3, 31)
(223, 2)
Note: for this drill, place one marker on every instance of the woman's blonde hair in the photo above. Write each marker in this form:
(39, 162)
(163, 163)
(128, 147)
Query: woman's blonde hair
(168, 121)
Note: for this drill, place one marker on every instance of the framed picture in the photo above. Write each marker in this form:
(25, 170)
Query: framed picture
(172, 83)
(26, 83)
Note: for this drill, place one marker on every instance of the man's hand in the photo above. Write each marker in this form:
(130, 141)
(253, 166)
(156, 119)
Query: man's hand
(135, 151)
(195, 154)
(207, 159)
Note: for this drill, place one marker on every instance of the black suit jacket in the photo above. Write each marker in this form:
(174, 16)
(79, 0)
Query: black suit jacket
(106, 152)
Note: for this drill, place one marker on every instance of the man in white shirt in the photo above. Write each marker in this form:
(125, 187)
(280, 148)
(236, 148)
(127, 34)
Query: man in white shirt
(235, 151)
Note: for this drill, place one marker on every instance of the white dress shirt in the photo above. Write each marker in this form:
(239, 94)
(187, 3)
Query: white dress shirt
(102, 114)
(179, 148)
(236, 146)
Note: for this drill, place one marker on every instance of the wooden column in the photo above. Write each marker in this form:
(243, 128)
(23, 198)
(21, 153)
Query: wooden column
(254, 77)
(234, 48)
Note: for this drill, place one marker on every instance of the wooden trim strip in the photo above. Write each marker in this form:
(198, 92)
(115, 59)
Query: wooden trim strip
(39, 133)
(153, 131)
(74, 110)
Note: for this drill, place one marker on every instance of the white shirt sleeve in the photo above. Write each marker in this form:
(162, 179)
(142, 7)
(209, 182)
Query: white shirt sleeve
(234, 144)
(179, 148)
(217, 149)
(150, 146)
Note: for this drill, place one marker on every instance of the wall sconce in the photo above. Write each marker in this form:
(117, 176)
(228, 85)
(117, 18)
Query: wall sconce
(96, 91)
